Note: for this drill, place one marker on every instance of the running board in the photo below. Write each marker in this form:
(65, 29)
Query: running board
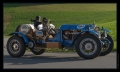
(53, 45)
(49, 45)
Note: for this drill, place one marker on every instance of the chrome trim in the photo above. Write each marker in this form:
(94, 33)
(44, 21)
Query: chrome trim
(99, 35)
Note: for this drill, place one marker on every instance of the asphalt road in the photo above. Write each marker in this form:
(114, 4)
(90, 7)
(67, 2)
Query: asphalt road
(58, 61)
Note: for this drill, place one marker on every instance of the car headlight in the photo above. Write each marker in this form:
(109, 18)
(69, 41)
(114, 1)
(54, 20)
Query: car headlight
(97, 29)
(24, 29)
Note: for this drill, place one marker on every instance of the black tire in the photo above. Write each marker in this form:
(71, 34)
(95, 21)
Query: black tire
(110, 47)
(16, 46)
(92, 42)
(37, 52)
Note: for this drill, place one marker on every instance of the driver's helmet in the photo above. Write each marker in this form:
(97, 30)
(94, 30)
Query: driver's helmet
(45, 20)
(38, 18)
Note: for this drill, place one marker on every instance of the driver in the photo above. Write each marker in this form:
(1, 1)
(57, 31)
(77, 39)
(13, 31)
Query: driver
(37, 23)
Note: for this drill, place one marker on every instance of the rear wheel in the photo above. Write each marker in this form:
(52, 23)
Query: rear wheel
(16, 46)
(88, 46)
(37, 51)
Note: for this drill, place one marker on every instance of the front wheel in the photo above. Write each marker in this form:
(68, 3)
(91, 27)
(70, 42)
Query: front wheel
(107, 48)
(88, 46)
(16, 46)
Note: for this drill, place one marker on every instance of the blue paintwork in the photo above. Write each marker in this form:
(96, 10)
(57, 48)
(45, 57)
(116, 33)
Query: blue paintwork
(23, 36)
(68, 43)
(57, 38)
(83, 27)
(75, 27)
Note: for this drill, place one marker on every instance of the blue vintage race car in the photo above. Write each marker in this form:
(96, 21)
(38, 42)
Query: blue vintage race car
(88, 40)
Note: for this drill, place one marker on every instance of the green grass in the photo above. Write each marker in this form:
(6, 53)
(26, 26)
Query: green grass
(104, 14)
(6, 36)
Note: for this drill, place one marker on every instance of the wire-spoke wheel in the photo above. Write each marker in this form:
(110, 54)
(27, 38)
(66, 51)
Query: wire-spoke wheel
(37, 51)
(16, 46)
(88, 46)
(107, 48)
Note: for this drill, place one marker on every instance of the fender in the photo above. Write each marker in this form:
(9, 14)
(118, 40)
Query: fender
(22, 35)
(93, 32)
(81, 33)
(105, 29)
